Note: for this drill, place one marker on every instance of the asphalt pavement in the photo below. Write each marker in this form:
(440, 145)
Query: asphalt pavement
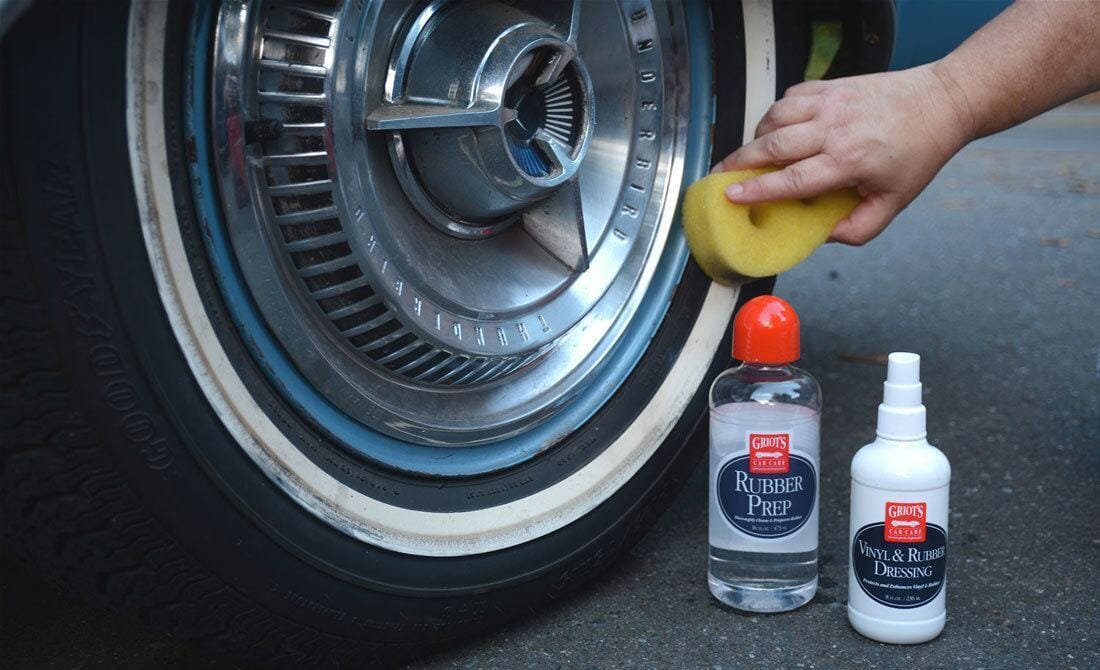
(993, 276)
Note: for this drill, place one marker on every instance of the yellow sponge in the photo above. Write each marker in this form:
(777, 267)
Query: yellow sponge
(735, 242)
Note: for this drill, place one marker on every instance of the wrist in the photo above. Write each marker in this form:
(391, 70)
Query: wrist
(961, 116)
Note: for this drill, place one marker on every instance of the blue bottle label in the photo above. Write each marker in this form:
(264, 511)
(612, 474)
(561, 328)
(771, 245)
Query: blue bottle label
(767, 505)
(897, 572)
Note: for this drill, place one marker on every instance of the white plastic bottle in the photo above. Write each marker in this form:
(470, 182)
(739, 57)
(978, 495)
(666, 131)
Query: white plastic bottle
(897, 568)
(764, 454)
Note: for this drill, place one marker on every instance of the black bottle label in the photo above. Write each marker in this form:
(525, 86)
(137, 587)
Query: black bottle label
(896, 572)
(767, 505)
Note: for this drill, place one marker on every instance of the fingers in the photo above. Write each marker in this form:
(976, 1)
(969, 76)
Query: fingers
(787, 112)
(866, 221)
(785, 145)
(788, 146)
(804, 179)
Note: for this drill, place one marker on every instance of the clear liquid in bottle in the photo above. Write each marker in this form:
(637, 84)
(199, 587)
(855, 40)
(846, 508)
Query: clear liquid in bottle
(764, 475)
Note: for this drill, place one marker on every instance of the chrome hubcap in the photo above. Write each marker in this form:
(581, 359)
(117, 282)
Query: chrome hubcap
(494, 106)
(447, 213)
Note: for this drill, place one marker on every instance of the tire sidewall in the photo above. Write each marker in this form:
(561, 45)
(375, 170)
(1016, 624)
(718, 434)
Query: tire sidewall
(158, 428)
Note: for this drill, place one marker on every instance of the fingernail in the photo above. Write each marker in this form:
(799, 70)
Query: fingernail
(734, 190)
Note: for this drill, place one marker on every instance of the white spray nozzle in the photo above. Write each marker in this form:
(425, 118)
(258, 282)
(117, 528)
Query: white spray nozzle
(902, 386)
(903, 368)
(901, 415)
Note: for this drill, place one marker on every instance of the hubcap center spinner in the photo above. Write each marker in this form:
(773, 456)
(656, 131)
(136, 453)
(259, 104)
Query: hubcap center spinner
(488, 117)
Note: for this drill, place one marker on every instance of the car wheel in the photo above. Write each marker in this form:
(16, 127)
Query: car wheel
(333, 331)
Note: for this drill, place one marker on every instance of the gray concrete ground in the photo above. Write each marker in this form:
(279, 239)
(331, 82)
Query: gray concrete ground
(993, 275)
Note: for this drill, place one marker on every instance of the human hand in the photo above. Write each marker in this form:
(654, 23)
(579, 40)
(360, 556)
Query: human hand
(885, 134)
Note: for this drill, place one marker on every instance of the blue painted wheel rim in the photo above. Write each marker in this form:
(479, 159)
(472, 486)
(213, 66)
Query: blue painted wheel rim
(378, 447)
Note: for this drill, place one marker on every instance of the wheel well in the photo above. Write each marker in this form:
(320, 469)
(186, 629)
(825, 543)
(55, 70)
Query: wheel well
(866, 45)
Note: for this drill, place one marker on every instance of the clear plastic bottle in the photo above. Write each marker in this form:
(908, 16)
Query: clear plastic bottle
(765, 418)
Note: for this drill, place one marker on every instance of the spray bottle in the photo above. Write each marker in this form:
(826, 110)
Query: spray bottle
(897, 571)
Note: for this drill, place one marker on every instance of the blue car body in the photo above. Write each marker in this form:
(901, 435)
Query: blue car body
(926, 30)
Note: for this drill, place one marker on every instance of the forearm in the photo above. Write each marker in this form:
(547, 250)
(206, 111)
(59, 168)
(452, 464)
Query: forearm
(888, 134)
(1033, 56)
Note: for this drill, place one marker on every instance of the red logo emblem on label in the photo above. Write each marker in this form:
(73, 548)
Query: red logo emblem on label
(905, 521)
(769, 453)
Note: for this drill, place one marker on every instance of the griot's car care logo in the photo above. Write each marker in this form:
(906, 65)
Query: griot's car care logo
(905, 521)
(769, 453)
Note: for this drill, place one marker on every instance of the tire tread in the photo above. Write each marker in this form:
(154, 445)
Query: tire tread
(70, 516)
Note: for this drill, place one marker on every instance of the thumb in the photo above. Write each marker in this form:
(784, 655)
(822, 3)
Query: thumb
(866, 221)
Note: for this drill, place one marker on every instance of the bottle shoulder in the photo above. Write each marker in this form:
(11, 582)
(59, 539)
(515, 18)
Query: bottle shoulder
(901, 466)
(766, 385)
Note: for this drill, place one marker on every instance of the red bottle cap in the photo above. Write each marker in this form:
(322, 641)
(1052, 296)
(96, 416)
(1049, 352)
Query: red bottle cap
(766, 331)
